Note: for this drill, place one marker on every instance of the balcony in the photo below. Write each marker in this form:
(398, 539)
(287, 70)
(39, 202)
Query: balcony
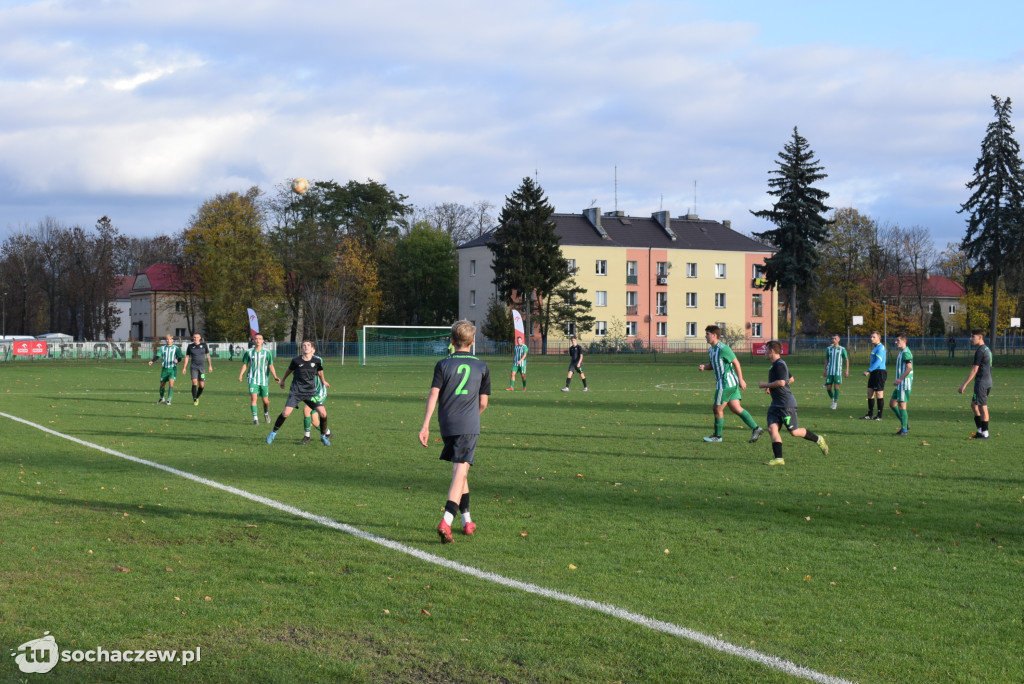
(661, 311)
(663, 280)
(631, 310)
(759, 282)
(631, 280)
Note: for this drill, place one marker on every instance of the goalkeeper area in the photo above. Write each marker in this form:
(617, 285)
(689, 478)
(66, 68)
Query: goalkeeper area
(379, 343)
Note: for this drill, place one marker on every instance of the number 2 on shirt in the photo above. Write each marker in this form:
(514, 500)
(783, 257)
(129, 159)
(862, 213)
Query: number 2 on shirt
(464, 370)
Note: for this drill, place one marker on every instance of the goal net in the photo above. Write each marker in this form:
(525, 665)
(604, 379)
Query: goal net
(395, 341)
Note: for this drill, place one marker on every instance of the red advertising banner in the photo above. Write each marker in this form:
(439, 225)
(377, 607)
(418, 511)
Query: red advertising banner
(759, 348)
(29, 347)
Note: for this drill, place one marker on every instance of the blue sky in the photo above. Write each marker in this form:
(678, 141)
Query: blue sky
(143, 110)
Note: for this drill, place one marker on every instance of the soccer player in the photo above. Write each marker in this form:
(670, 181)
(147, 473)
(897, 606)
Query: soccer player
(518, 364)
(197, 352)
(833, 373)
(260, 365)
(728, 383)
(307, 368)
(575, 364)
(459, 391)
(782, 410)
(981, 373)
(904, 383)
(876, 376)
(169, 355)
(311, 417)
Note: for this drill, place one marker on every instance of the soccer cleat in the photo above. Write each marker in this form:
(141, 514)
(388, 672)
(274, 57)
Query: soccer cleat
(271, 436)
(444, 530)
(586, 389)
(775, 462)
(822, 444)
(565, 389)
(168, 402)
(162, 401)
(195, 402)
(867, 417)
(524, 389)
(713, 438)
(834, 406)
(510, 389)
(901, 432)
(326, 439)
(756, 434)
(469, 528)
(878, 417)
(266, 417)
(305, 440)
(255, 420)
(979, 435)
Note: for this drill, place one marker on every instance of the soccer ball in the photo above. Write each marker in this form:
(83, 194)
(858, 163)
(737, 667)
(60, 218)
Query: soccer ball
(300, 186)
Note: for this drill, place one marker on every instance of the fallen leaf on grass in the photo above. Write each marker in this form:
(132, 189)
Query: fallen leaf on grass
(121, 568)
(807, 578)
(424, 611)
(571, 566)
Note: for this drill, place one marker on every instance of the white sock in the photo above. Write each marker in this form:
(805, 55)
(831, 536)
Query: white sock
(466, 519)
(448, 518)
(307, 433)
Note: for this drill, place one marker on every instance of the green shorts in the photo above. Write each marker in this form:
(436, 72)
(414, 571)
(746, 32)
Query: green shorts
(519, 369)
(833, 379)
(723, 395)
(260, 390)
(901, 395)
(168, 374)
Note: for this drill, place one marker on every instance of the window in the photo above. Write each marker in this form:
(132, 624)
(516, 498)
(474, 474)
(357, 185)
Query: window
(631, 298)
(758, 271)
(571, 265)
(952, 308)
(179, 307)
(570, 329)
(662, 329)
(691, 329)
(691, 270)
(719, 270)
(719, 300)
(755, 330)
(601, 298)
(630, 328)
(179, 332)
(756, 307)
(661, 268)
(631, 268)
(600, 328)
(472, 297)
(691, 300)
(601, 267)
(472, 267)
(661, 304)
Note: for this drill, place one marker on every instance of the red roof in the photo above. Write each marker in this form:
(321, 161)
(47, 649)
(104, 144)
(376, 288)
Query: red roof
(164, 277)
(934, 286)
(124, 287)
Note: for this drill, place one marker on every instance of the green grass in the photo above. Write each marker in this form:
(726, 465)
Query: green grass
(891, 559)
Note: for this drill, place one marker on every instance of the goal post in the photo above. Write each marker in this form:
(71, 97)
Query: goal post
(396, 341)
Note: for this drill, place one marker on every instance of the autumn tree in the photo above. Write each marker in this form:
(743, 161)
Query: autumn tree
(799, 216)
(230, 263)
(844, 270)
(422, 284)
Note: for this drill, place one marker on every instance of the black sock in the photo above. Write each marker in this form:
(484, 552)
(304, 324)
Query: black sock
(977, 422)
(584, 382)
(451, 507)
(323, 426)
(871, 405)
(464, 503)
(777, 449)
(567, 381)
(279, 422)
(811, 437)
(199, 392)
(984, 426)
(194, 395)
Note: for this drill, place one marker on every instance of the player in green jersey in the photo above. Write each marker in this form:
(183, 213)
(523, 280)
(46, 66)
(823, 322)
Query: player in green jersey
(904, 383)
(728, 383)
(169, 355)
(518, 364)
(835, 356)
(260, 364)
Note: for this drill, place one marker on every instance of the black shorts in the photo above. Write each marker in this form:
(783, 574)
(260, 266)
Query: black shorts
(980, 397)
(294, 400)
(876, 380)
(784, 417)
(197, 373)
(574, 369)
(459, 448)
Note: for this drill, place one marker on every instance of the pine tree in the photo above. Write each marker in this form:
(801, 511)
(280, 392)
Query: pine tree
(527, 257)
(936, 324)
(995, 226)
(801, 225)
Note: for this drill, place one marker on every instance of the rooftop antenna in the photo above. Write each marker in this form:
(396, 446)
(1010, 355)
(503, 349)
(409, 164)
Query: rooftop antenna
(695, 198)
(616, 187)
(661, 203)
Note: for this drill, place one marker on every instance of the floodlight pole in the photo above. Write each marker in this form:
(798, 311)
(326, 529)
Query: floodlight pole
(5, 314)
(885, 324)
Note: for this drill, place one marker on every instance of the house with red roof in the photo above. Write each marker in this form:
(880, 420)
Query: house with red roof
(158, 303)
(122, 306)
(915, 293)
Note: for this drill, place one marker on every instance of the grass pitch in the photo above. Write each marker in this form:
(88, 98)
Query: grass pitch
(891, 559)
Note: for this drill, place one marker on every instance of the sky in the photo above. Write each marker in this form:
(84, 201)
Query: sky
(142, 110)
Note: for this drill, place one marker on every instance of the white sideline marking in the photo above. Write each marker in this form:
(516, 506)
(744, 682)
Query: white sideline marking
(642, 620)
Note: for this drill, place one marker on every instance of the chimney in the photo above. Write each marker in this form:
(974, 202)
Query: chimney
(727, 223)
(593, 215)
(664, 220)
